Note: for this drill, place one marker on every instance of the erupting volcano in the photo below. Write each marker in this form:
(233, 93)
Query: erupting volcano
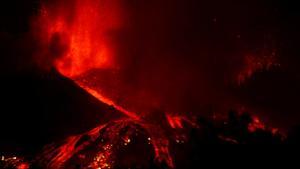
(80, 39)
(163, 75)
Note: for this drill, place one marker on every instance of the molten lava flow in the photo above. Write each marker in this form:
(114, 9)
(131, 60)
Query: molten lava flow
(77, 36)
(175, 122)
(55, 157)
(109, 102)
(100, 147)
(78, 39)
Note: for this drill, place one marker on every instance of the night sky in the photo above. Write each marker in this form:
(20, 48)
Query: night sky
(200, 41)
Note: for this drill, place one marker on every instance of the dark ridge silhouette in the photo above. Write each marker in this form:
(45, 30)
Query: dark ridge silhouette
(45, 107)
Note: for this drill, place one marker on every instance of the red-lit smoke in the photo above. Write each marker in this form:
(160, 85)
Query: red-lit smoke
(79, 39)
(76, 34)
(143, 58)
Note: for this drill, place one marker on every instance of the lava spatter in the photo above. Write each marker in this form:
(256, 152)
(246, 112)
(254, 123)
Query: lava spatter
(76, 37)
(104, 147)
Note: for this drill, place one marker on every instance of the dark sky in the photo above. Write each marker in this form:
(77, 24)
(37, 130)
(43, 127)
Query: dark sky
(180, 29)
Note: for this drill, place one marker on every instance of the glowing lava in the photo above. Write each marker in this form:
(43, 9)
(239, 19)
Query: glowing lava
(78, 38)
(76, 35)
(109, 102)
(256, 124)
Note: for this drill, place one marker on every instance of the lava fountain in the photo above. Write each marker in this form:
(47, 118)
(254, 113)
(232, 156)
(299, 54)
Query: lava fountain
(75, 35)
(75, 38)
(78, 39)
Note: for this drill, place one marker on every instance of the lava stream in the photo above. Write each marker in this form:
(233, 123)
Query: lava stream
(109, 102)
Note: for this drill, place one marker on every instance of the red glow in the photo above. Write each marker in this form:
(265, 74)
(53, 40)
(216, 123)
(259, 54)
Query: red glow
(109, 102)
(23, 166)
(256, 124)
(55, 157)
(175, 122)
(81, 33)
(255, 64)
(79, 39)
